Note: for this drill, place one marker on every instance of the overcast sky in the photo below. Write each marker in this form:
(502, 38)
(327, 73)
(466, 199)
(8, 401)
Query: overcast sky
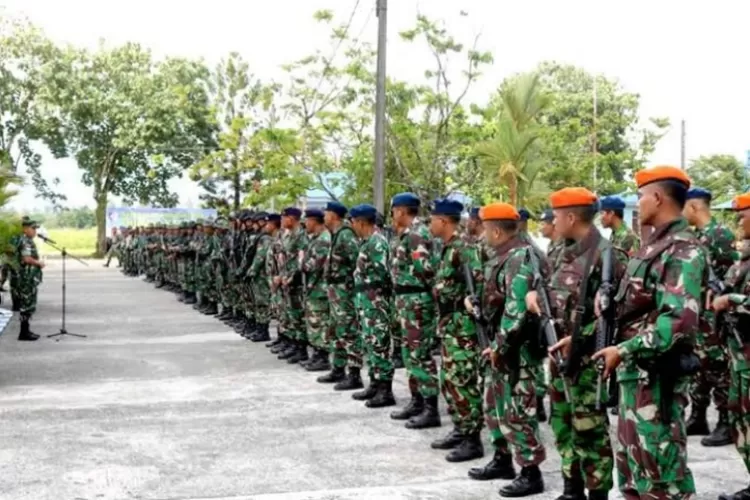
(688, 60)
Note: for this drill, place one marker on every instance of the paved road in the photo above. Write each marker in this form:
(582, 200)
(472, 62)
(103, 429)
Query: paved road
(160, 402)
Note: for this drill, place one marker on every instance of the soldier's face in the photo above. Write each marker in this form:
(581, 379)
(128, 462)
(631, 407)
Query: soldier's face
(606, 218)
(473, 225)
(564, 223)
(310, 224)
(548, 229)
(690, 210)
(649, 201)
(744, 219)
(329, 218)
(437, 226)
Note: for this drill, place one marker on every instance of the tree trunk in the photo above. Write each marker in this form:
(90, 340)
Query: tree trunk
(101, 223)
(237, 192)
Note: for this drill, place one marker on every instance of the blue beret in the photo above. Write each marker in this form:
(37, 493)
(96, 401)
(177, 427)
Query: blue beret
(364, 211)
(406, 200)
(699, 193)
(447, 207)
(611, 203)
(273, 217)
(547, 216)
(337, 208)
(314, 212)
(292, 212)
(524, 214)
(474, 213)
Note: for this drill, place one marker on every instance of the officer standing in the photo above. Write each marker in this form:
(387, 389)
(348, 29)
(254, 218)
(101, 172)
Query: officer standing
(613, 211)
(659, 308)
(29, 277)
(260, 276)
(290, 280)
(547, 228)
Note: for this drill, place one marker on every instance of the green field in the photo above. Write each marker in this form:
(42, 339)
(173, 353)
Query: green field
(78, 242)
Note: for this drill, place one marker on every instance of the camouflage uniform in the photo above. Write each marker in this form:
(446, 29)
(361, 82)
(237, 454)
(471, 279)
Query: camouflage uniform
(274, 266)
(554, 250)
(28, 278)
(317, 316)
(294, 309)
(659, 308)
(260, 279)
(342, 259)
(625, 239)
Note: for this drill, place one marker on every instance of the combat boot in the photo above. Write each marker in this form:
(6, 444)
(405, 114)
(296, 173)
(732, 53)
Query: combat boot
(199, 304)
(697, 424)
(251, 329)
(211, 309)
(413, 408)
(290, 350)
(337, 374)
(573, 489)
(321, 364)
(740, 495)
(181, 297)
(189, 298)
(274, 342)
(300, 355)
(429, 416)
(25, 333)
(281, 346)
(529, 482)
(351, 382)
(541, 412)
(470, 448)
(225, 314)
(449, 442)
(598, 495)
(722, 434)
(240, 326)
(368, 393)
(500, 467)
(383, 397)
(261, 333)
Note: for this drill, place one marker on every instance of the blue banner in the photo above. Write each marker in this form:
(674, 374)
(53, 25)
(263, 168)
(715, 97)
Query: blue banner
(143, 216)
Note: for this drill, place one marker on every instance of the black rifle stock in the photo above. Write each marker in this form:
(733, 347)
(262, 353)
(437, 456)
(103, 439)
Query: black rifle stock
(605, 322)
(484, 341)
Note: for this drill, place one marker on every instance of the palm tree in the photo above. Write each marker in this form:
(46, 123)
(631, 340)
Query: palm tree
(512, 153)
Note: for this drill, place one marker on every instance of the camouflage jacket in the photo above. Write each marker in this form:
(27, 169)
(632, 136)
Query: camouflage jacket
(313, 265)
(486, 252)
(294, 243)
(27, 248)
(257, 269)
(738, 283)
(413, 262)
(372, 279)
(554, 250)
(660, 299)
(625, 239)
(720, 243)
(450, 287)
(342, 257)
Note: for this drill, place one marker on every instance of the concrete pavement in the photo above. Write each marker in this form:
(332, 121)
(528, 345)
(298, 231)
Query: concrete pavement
(163, 403)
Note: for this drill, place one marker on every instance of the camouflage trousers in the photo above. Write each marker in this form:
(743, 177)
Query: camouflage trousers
(375, 322)
(260, 307)
(25, 294)
(581, 431)
(459, 372)
(244, 300)
(510, 415)
(346, 344)
(651, 456)
(293, 314)
(416, 321)
(189, 276)
(540, 382)
(713, 377)
(317, 323)
(739, 413)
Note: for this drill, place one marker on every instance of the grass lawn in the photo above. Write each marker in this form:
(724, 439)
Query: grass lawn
(78, 242)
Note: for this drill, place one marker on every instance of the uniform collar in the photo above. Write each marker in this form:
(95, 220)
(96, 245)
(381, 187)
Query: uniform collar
(670, 227)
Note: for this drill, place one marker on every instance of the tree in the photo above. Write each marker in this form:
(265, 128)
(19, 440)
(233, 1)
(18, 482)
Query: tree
(131, 123)
(724, 175)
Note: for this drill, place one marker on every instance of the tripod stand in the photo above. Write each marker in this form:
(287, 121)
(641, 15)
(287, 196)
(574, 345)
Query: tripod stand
(64, 254)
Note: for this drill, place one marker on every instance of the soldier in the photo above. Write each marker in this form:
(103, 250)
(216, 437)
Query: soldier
(718, 241)
(208, 255)
(290, 281)
(459, 373)
(260, 275)
(339, 273)
(515, 356)
(114, 248)
(413, 265)
(250, 235)
(29, 277)
(613, 211)
(372, 285)
(581, 430)
(547, 228)
(736, 304)
(317, 312)
(659, 308)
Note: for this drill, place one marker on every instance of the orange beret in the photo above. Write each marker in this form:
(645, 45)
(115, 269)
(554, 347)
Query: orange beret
(572, 197)
(499, 211)
(741, 202)
(661, 173)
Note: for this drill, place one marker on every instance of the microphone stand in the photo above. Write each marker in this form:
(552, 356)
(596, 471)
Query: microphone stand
(64, 254)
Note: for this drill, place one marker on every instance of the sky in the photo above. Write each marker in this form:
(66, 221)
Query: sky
(687, 60)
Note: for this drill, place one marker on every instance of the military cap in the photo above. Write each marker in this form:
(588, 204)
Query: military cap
(474, 213)
(292, 212)
(273, 217)
(314, 213)
(661, 173)
(364, 211)
(741, 202)
(406, 200)
(259, 216)
(499, 211)
(524, 214)
(698, 193)
(547, 216)
(27, 221)
(572, 197)
(447, 207)
(336, 207)
(611, 203)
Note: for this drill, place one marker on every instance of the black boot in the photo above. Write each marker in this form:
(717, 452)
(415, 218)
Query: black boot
(697, 424)
(274, 342)
(225, 314)
(429, 416)
(249, 328)
(211, 309)
(383, 397)
(398, 362)
(320, 364)
(449, 442)
(25, 334)
(722, 434)
(16, 307)
(199, 303)
(598, 495)
(181, 297)
(337, 374)
(470, 448)
(500, 467)
(190, 298)
(413, 408)
(280, 346)
(573, 489)
(261, 333)
(740, 495)
(368, 393)
(290, 351)
(541, 412)
(353, 381)
(528, 483)
(300, 355)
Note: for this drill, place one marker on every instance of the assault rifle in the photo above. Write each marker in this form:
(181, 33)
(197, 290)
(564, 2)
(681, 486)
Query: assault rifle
(484, 341)
(605, 323)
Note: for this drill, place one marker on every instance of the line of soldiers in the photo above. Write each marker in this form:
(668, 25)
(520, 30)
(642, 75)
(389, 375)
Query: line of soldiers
(346, 291)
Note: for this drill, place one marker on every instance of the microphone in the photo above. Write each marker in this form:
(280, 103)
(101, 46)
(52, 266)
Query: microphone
(48, 240)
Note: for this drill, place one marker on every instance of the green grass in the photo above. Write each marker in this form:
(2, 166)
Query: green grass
(78, 242)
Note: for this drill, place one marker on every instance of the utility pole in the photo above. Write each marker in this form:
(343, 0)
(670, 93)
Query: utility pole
(379, 174)
(682, 144)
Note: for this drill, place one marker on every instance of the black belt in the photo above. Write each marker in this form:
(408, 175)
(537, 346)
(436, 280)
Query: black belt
(410, 289)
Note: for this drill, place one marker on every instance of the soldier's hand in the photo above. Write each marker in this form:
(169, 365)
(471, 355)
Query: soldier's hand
(563, 346)
(532, 303)
(611, 357)
(469, 304)
(597, 306)
(721, 303)
(277, 280)
(42, 264)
